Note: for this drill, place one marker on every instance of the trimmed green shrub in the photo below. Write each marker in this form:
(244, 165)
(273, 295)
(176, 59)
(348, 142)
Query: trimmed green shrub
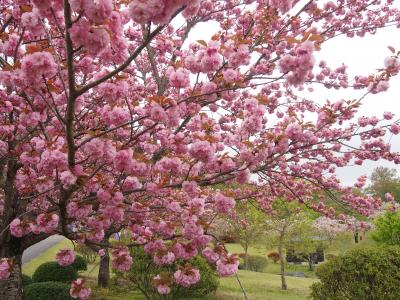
(274, 256)
(79, 264)
(50, 290)
(368, 274)
(88, 254)
(52, 271)
(255, 263)
(141, 274)
(26, 280)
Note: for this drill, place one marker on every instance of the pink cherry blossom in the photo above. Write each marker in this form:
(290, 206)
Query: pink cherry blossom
(121, 259)
(5, 268)
(187, 277)
(389, 197)
(224, 204)
(227, 266)
(18, 228)
(67, 178)
(179, 78)
(116, 117)
(298, 66)
(163, 289)
(78, 289)
(65, 257)
(38, 66)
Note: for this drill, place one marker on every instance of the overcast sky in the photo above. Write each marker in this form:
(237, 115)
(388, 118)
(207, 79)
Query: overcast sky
(365, 55)
(362, 56)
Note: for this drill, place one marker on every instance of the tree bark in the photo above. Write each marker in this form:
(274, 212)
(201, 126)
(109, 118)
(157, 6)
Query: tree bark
(104, 271)
(310, 263)
(356, 236)
(11, 288)
(282, 262)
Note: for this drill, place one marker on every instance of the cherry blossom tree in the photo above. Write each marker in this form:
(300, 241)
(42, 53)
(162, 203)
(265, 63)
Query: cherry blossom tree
(356, 227)
(329, 228)
(111, 118)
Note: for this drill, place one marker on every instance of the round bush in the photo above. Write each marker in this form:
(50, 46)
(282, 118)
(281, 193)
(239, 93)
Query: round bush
(50, 290)
(52, 271)
(255, 263)
(368, 274)
(26, 280)
(141, 274)
(274, 256)
(80, 263)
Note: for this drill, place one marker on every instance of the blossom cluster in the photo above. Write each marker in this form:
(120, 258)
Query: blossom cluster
(122, 261)
(79, 290)
(65, 257)
(5, 268)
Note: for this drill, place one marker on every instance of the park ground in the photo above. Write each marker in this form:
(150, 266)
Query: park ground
(258, 286)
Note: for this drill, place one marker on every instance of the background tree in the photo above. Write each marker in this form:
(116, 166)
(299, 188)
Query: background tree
(387, 228)
(283, 227)
(327, 228)
(248, 226)
(306, 241)
(384, 181)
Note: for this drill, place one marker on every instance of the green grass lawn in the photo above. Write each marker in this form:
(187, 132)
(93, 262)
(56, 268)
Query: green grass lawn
(257, 285)
(263, 286)
(272, 268)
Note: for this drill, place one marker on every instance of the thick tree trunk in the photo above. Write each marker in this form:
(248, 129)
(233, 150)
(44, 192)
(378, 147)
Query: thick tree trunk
(282, 262)
(104, 271)
(11, 288)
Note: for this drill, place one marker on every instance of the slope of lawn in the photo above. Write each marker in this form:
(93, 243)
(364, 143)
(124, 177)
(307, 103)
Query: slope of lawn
(48, 255)
(257, 285)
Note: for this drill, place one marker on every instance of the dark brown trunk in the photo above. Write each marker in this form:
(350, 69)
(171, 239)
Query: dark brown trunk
(11, 288)
(10, 247)
(282, 262)
(104, 271)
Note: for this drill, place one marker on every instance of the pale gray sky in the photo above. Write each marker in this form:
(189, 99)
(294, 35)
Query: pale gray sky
(365, 55)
